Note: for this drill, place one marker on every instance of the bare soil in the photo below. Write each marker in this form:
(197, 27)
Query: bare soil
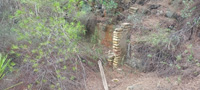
(140, 81)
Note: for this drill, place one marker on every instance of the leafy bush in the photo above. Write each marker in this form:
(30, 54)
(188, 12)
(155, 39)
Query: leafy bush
(48, 43)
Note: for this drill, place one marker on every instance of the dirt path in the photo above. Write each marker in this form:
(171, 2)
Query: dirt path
(121, 79)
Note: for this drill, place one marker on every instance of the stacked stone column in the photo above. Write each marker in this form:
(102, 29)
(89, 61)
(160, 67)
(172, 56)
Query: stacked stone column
(116, 46)
(119, 45)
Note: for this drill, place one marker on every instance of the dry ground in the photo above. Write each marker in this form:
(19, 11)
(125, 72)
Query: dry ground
(140, 81)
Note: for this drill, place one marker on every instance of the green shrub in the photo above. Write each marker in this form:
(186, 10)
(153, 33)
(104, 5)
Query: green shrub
(46, 39)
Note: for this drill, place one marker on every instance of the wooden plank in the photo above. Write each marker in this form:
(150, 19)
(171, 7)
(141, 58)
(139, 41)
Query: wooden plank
(105, 85)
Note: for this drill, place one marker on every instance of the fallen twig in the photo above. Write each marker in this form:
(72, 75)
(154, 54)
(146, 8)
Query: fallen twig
(14, 85)
(105, 85)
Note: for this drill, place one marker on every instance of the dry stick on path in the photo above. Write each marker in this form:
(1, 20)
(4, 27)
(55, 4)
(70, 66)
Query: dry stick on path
(105, 85)
(14, 86)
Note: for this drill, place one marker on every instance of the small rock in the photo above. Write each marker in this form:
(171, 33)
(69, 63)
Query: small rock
(119, 69)
(169, 14)
(133, 10)
(159, 12)
(133, 1)
(154, 7)
(125, 24)
(177, 17)
(115, 80)
(142, 2)
(147, 12)
(130, 88)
